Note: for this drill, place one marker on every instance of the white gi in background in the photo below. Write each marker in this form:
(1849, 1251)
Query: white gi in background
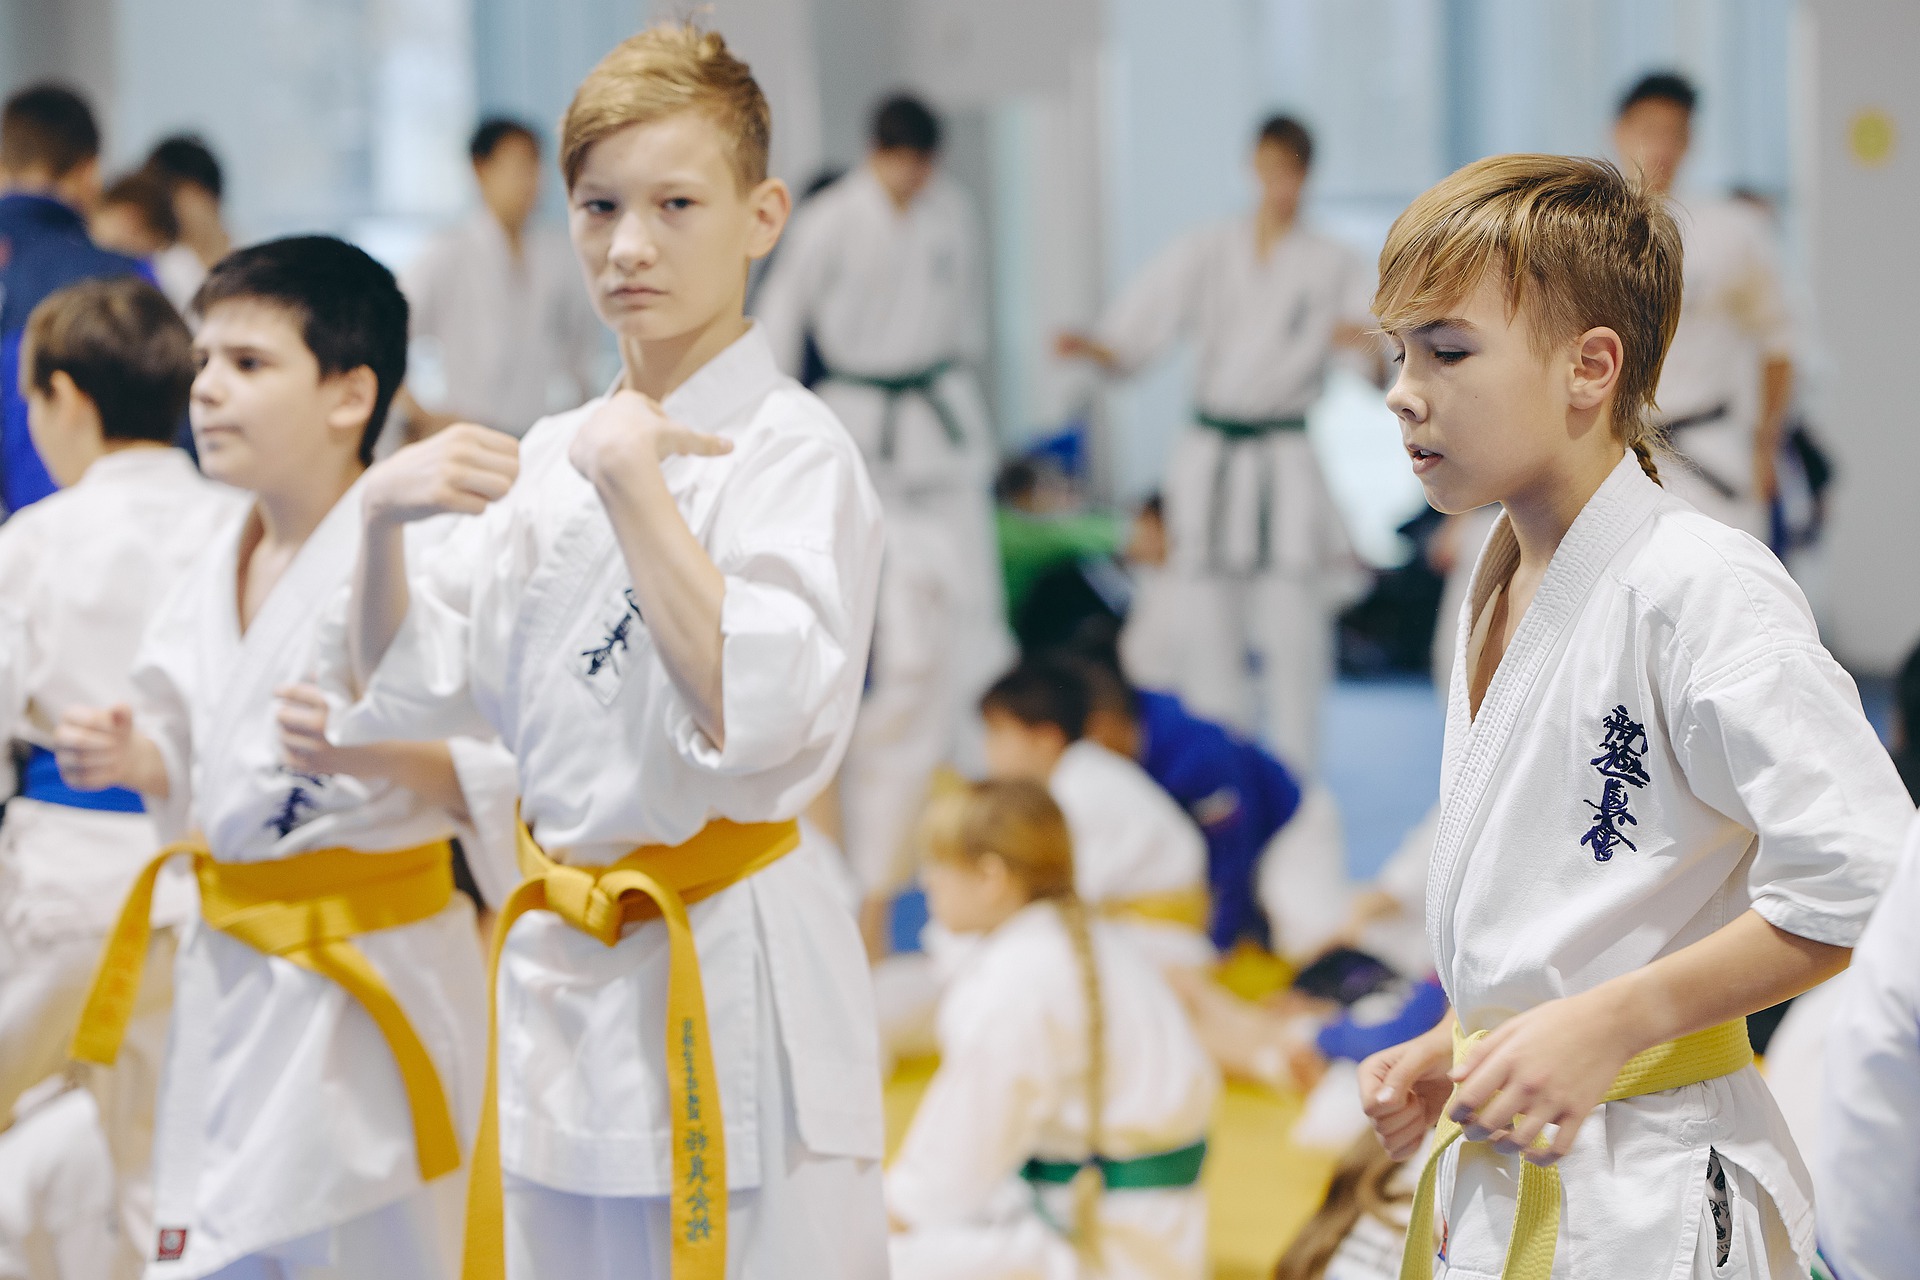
(1131, 840)
(1733, 318)
(1866, 1166)
(891, 295)
(58, 1218)
(515, 337)
(1664, 745)
(506, 624)
(180, 273)
(1012, 1086)
(1259, 557)
(84, 571)
(319, 1168)
(906, 723)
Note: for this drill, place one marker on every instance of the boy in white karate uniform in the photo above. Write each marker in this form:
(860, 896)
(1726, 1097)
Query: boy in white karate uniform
(1662, 808)
(664, 610)
(1259, 559)
(1065, 1129)
(884, 269)
(1139, 858)
(324, 1062)
(105, 370)
(1727, 383)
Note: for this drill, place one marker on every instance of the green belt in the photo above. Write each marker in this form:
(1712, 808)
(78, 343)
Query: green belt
(1168, 1169)
(1247, 429)
(924, 384)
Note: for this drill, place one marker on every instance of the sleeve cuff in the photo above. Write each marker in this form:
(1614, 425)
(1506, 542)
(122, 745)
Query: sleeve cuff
(489, 781)
(1835, 929)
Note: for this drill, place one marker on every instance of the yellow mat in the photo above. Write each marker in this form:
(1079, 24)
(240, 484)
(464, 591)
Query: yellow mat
(1260, 1187)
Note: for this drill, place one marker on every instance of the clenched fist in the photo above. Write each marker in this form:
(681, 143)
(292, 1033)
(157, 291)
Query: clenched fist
(98, 749)
(629, 429)
(461, 469)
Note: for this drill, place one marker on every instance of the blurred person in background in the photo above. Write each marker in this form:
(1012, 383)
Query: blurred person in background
(1728, 379)
(136, 216)
(49, 180)
(501, 303)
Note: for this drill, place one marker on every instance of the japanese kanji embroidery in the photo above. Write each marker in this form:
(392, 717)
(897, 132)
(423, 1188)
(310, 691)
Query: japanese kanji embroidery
(1619, 763)
(293, 810)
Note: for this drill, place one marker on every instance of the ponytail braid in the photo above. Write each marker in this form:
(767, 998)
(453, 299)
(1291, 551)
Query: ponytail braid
(1090, 1183)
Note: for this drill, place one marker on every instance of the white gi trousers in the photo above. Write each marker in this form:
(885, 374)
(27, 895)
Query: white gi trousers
(810, 1216)
(417, 1238)
(1259, 656)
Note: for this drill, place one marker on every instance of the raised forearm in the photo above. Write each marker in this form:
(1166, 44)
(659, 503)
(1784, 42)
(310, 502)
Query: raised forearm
(380, 598)
(1748, 965)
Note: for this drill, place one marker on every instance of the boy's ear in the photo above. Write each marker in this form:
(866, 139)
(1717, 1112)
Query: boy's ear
(768, 205)
(354, 393)
(1598, 355)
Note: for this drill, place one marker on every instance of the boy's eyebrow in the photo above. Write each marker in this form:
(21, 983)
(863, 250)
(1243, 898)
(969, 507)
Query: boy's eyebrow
(1450, 322)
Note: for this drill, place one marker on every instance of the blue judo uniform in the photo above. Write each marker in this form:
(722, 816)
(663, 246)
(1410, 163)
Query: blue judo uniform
(44, 247)
(1238, 794)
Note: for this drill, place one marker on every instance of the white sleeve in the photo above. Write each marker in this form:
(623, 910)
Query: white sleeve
(1762, 298)
(163, 681)
(801, 575)
(977, 1124)
(419, 282)
(17, 647)
(1777, 741)
(1158, 308)
(783, 306)
(419, 692)
(490, 783)
(1866, 1164)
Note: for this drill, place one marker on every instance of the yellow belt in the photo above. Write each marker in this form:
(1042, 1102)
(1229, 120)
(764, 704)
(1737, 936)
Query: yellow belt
(1693, 1059)
(306, 909)
(652, 881)
(1189, 907)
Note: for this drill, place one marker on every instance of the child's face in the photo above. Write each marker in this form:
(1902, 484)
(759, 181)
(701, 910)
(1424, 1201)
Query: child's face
(663, 231)
(64, 425)
(509, 179)
(263, 417)
(1652, 138)
(970, 897)
(903, 172)
(1020, 751)
(122, 228)
(1281, 176)
(1484, 414)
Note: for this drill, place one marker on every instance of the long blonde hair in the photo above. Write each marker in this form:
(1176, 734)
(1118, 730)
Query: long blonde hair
(1572, 239)
(1018, 823)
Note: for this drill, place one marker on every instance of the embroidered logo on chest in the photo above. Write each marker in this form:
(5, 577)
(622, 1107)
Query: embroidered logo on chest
(299, 801)
(1622, 744)
(601, 664)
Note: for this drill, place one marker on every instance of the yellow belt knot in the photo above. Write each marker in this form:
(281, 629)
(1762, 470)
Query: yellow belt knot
(1692, 1059)
(652, 881)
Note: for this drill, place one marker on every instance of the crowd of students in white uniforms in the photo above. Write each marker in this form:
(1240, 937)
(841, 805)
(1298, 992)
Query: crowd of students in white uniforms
(616, 655)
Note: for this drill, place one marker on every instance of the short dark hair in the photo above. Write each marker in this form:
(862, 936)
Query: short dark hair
(1107, 688)
(495, 130)
(149, 193)
(1286, 131)
(902, 120)
(1043, 690)
(186, 157)
(125, 348)
(50, 125)
(351, 312)
(1660, 86)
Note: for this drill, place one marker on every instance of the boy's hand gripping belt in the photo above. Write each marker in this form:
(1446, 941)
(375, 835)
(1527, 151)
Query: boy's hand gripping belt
(306, 909)
(652, 881)
(1695, 1059)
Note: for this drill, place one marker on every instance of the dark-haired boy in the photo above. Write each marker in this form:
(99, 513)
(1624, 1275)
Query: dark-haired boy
(1258, 555)
(1137, 856)
(884, 270)
(325, 1057)
(499, 302)
(49, 174)
(105, 368)
(1727, 382)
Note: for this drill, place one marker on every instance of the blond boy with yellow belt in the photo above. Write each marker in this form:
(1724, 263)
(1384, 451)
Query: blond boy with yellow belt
(663, 605)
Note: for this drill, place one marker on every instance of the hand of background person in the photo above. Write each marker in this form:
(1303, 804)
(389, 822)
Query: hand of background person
(98, 748)
(630, 429)
(461, 469)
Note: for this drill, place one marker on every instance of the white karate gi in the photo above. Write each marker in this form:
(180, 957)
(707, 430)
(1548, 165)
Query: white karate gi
(1733, 318)
(516, 337)
(83, 572)
(1665, 648)
(906, 723)
(1251, 525)
(887, 294)
(522, 622)
(283, 1126)
(180, 273)
(58, 1219)
(1131, 840)
(1012, 1086)
(1866, 1167)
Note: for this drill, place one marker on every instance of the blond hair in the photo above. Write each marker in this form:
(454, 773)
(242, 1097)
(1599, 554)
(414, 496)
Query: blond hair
(1019, 823)
(663, 71)
(1573, 241)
